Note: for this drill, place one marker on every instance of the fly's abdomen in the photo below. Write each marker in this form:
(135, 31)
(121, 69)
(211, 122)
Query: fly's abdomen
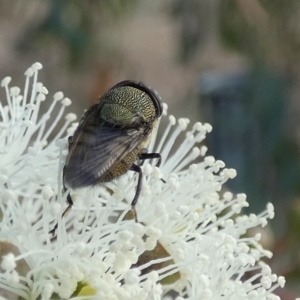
(121, 166)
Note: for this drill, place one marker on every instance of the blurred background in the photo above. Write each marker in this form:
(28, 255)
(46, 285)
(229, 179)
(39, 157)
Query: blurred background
(233, 63)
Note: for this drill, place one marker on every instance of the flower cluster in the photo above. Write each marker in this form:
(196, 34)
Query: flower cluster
(192, 239)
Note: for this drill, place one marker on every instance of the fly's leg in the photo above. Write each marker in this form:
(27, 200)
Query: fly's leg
(70, 204)
(144, 156)
(137, 169)
(70, 141)
(69, 199)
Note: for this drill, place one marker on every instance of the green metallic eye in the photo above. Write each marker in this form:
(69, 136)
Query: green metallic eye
(156, 99)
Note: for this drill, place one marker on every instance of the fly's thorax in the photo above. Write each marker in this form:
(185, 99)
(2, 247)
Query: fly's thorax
(127, 105)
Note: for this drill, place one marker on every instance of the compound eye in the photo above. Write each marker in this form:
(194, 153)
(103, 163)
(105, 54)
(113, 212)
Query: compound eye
(153, 94)
(157, 101)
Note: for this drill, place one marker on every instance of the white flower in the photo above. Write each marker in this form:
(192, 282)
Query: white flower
(191, 237)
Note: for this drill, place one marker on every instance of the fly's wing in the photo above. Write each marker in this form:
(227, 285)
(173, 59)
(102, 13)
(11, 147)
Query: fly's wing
(96, 146)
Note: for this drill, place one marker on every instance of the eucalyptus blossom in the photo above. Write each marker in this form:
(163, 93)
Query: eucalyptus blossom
(191, 237)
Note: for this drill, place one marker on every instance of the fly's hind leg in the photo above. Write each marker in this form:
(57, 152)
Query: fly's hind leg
(70, 204)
